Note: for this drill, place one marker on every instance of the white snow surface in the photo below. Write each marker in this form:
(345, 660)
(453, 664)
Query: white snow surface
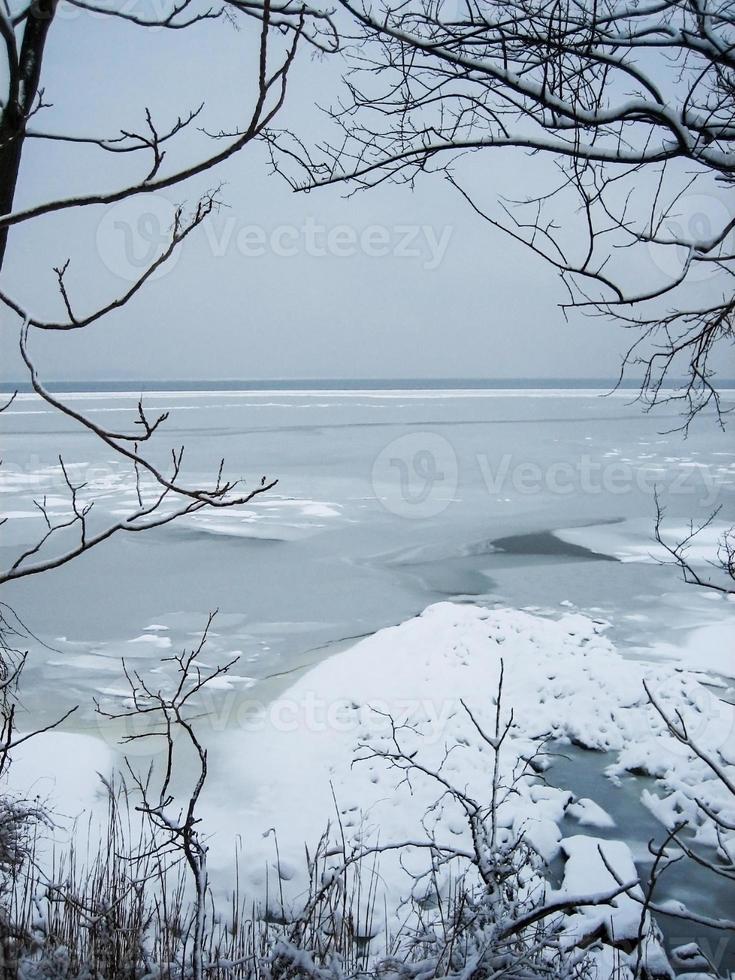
(589, 865)
(310, 756)
(61, 770)
(633, 540)
(709, 648)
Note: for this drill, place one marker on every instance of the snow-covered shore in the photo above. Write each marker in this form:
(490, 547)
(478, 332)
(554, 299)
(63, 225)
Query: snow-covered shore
(316, 755)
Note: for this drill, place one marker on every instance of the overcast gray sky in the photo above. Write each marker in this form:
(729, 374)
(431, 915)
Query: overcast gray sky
(389, 283)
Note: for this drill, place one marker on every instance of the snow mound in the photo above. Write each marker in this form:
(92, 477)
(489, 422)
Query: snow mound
(317, 754)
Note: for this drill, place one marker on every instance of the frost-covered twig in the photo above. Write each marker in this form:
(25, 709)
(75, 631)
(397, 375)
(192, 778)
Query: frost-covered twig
(723, 553)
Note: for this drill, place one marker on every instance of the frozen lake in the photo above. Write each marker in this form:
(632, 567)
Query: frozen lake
(387, 501)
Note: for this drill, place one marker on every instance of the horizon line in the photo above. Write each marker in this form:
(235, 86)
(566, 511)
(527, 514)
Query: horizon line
(122, 384)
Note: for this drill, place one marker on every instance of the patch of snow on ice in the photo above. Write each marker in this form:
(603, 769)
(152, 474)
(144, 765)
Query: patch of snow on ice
(160, 642)
(633, 540)
(315, 754)
(590, 814)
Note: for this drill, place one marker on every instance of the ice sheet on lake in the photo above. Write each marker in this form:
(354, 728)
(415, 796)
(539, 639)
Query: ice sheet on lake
(633, 540)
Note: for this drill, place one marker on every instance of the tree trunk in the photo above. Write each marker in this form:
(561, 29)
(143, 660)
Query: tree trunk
(11, 147)
(25, 76)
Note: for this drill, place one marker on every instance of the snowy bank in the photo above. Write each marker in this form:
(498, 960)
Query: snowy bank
(382, 742)
(316, 754)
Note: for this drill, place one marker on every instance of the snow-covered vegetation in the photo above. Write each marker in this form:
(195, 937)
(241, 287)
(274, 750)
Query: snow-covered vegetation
(427, 803)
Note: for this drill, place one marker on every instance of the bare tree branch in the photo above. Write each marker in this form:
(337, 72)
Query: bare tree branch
(634, 104)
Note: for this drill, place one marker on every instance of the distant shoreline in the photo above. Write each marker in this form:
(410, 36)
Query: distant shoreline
(334, 384)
